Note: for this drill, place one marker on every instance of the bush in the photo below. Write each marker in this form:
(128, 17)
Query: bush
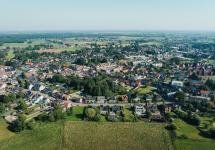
(30, 125)
(212, 132)
(17, 126)
(69, 111)
(97, 118)
(183, 136)
(171, 127)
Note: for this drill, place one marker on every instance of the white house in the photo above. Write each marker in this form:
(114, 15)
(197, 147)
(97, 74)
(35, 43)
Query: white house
(177, 83)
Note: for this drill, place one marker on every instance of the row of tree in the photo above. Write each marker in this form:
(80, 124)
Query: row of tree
(97, 86)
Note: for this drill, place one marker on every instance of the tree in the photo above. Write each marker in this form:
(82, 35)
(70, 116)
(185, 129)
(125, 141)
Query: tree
(30, 125)
(9, 98)
(212, 132)
(148, 114)
(180, 96)
(171, 127)
(70, 111)
(20, 95)
(22, 105)
(2, 108)
(17, 126)
(90, 113)
(58, 113)
(81, 61)
(212, 98)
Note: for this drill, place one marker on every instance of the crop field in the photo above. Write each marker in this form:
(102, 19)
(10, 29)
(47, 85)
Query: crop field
(120, 136)
(188, 138)
(91, 135)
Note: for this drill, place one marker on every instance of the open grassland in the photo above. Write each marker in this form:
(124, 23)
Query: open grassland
(189, 138)
(81, 135)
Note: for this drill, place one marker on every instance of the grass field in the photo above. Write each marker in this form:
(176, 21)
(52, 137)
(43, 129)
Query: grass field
(144, 90)
(4, 132)
(194, 141)
(91, 136)
(58, 50)
(10, 55)
(77, 114)
(46, 136)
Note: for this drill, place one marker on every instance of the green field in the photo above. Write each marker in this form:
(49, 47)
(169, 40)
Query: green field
(90, 136)
(193, 140)
(77, 114)
(4, 132)
(144, 90)
(10, 55)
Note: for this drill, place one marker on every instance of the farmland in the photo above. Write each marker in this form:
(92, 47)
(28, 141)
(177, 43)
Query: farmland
(91, 135)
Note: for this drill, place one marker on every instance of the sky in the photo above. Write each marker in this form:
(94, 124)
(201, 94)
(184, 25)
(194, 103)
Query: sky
(73, 15)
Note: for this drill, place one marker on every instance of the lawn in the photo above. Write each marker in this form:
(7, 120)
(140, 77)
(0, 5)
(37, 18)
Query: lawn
(194, 141)
(91, 135)
(77, 114)
(144, 90)
(10, 55)
(44, 136)
(4, 132)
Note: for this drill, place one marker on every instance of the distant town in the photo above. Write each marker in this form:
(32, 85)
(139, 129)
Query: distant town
(166, 78)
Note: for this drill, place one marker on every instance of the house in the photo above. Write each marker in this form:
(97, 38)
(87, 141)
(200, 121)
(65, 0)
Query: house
(111, 116)
(3, 86)
(139, 110)
(104, 110)
(116, 108)
(30, 86)
(67, 104)
(148, 98)
(10, 118)
(37, 87)
(177, 83)
(167, 108)
(136, 99)
(66, 97)
(199, 98)
(204, 93)
(122, 98)
(112, 100)
(47, 91)
(37, 99)
(3, 74)
(156, 116)
(153, 108)
(89, 100)
(76, 99)
(101, 100)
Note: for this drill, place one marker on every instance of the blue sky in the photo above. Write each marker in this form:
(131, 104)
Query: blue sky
(27, 15)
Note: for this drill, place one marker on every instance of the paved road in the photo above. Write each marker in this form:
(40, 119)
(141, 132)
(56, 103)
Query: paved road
(118, 104)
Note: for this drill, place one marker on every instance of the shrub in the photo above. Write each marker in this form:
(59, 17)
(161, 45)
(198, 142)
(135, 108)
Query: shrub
(171, 127)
